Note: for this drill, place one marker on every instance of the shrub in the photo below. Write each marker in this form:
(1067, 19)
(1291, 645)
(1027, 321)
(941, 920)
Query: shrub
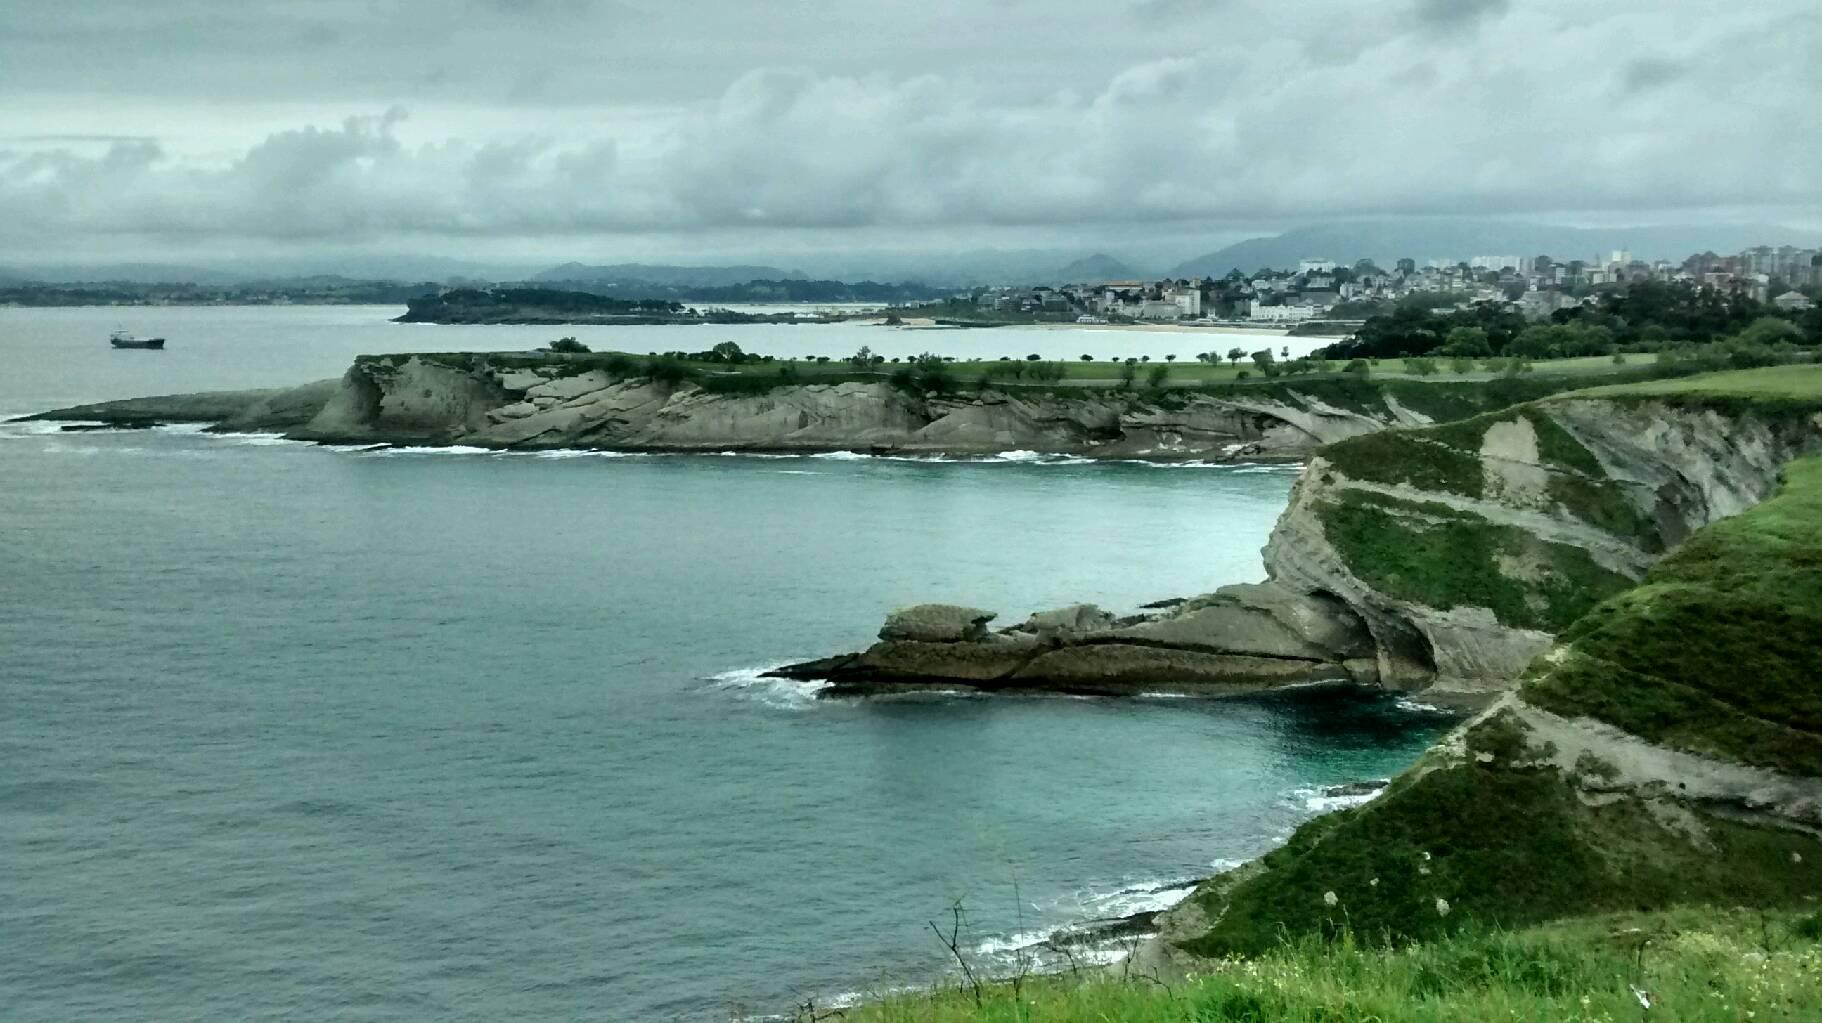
(568, 346)
(1358, 367)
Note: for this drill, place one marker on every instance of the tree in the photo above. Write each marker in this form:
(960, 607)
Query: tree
(1235, 354)
(1157, 375)
(1267, 365)
(1033, 357)
(1468, 342)
(862, 359)
(568, 346)
(1087, 358)
(728, 351)
(1170, 358)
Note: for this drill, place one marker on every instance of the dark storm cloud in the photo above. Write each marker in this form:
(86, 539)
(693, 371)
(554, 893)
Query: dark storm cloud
(560, 119)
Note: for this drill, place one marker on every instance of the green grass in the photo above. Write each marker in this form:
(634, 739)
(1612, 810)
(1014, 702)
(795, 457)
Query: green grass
(1505, 842)
(1696, 966)
(1668, 660)
(1431, 554)
(1801, 383)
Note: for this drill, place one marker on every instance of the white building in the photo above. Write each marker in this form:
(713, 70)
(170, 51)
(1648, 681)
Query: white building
(1282, 313)
(1189, 300)
(1319, 266)
(1792, 301)
(1495, 262)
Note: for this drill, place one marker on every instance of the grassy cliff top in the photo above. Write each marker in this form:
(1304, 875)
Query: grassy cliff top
(1717, 651)
(1772, 383)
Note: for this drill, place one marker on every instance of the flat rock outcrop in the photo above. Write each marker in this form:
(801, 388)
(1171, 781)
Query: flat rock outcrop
(1238, 639)
(517, 401)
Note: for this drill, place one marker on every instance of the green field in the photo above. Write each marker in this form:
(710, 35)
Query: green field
(1798, 383)
(1691, 966)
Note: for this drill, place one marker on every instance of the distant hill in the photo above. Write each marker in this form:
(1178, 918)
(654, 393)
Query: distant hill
(1091, 269)
(1424, 239)
(626, 274)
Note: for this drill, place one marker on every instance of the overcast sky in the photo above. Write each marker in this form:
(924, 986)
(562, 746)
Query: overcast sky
(693, 131)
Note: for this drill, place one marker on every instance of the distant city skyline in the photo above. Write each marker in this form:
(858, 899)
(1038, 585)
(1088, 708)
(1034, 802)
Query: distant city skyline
(530, 132)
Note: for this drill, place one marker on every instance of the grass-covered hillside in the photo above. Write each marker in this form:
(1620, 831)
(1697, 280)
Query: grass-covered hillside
(1720, 651)
(1714, 653)
(1691, 966)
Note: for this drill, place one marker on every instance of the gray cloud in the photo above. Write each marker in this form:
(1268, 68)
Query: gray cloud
(1457, 15)
(696, 126)
(1649, 73)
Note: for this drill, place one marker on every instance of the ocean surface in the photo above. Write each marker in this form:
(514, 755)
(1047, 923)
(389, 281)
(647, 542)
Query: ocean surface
(396, 734)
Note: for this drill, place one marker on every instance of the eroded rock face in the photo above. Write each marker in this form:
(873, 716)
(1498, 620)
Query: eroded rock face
(1556, 505)
(937, 623)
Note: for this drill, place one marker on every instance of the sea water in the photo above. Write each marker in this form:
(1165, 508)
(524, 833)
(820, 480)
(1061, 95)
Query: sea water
(420, 733)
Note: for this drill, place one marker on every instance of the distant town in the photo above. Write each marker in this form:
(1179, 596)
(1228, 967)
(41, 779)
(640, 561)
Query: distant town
(1323, 290)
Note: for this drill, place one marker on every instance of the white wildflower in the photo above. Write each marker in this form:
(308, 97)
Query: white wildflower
(1442, 907)
(1330, 899)
(1644, 996)
(1425, 871)
(1796, 857)
(1426, 855)
(1374, 883)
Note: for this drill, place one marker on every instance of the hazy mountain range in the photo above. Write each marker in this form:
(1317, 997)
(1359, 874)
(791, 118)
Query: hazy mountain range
(1422, 239)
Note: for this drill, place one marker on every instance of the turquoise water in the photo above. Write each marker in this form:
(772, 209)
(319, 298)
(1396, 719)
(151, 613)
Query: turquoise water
(398, 735)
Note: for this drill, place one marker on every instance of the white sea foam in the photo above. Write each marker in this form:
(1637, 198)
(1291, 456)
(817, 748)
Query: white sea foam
(842, 456)
(453, 449)
(1143, 897)
(562, 453)
(1320, 800)
(785, 693)
(15, 429)
(180, 428)
(257, 440)
(1407, 704)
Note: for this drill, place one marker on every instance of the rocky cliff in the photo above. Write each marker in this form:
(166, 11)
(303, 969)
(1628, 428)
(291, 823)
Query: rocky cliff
(1447, 556)
(1668, 751)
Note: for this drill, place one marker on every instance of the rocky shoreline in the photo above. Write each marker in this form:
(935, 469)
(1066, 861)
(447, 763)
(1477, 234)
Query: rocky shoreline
(512, 402)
